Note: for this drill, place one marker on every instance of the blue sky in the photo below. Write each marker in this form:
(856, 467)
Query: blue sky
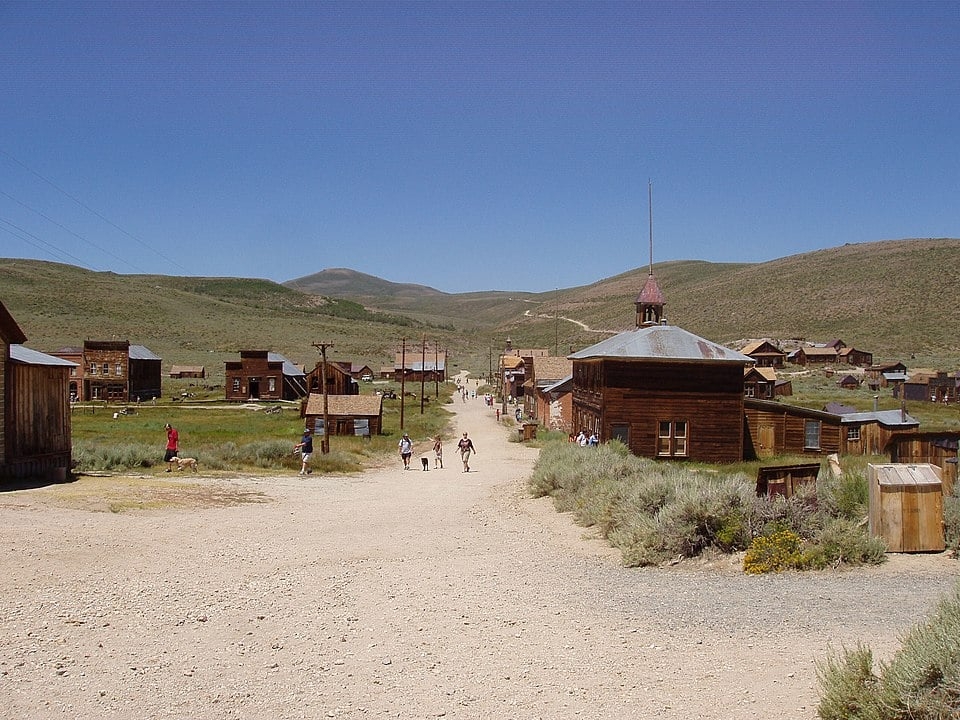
(471, 146)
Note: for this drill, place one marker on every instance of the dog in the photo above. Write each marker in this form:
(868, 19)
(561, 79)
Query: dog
(185, 462)
(425, 462)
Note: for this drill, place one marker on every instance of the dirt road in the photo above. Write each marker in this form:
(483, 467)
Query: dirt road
(407, 595)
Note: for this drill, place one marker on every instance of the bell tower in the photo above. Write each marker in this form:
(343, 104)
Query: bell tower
(649, 302)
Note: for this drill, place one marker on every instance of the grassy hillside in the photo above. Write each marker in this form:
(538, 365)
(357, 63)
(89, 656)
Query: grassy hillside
(895, 298)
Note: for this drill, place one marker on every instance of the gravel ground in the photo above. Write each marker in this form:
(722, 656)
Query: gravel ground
(404, 595)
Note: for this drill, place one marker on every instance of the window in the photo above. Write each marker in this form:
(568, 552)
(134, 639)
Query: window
(672, 438)
(853, 433)
(621, 433)
(750, 390)
(94, 368)
(118, 370)
(236, 384)
(271, 384)
(811, 435)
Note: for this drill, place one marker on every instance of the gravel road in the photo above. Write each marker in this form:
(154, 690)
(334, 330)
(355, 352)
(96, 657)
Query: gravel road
(406, 595)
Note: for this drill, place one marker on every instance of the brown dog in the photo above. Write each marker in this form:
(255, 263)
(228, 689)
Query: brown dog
(185, 462)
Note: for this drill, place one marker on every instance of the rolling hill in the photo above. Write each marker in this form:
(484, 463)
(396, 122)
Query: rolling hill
(895, 298)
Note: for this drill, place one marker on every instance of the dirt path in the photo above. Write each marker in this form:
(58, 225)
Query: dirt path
(408, 595)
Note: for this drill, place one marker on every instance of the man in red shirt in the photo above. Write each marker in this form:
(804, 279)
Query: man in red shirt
(173, 445)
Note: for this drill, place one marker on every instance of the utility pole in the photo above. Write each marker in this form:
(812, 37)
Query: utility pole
(436, 370)
(423, 369)
(325, 440)
(403, 376)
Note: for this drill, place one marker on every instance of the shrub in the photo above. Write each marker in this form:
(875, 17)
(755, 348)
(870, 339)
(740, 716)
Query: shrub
(846, 496)
(781, 550)
(951, 520)
(848, 686)
(921, 682)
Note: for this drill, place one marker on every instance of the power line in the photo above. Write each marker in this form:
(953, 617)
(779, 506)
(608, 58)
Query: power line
(71, 232)
(89, 209)
(40, 243)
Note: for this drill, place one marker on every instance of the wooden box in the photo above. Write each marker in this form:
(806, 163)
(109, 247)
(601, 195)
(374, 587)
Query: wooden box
(785, 480)
(906, 506)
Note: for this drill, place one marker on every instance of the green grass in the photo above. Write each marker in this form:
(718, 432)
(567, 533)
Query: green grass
(234, 438)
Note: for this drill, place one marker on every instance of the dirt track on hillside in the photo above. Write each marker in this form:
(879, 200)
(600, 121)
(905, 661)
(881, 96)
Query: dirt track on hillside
(405, 595)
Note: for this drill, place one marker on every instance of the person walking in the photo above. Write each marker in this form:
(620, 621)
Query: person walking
(305, 446)
(173, 445)
(406, 450)
(437, 453)
(466, 448)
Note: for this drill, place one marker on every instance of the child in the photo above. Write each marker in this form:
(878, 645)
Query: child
(437, 453)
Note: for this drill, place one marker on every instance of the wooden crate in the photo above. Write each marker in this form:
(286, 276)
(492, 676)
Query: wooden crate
(785, 480)
(906, 506)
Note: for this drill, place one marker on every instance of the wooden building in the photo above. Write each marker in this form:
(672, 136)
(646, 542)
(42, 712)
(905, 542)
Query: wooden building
(264, 375)
(936, 448)
(187, 371)
(877, 372)
(35, 436)
(765, 353)
(849, 382)
(814, 356)
(852, 356)
(113, 370)
(417, 362)
(931, 386)
(775, 428)
(340, 380)
(360, 415)
(545, 371)
(661, 390)
(759, 382)
(556, 405)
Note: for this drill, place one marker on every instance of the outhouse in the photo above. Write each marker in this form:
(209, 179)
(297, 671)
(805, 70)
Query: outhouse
(906, 506)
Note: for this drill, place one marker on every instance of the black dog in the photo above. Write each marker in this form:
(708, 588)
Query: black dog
(426, 463)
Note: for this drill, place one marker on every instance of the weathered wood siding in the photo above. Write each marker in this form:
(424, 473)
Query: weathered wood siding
(935, 448)
(145, 378)
(37, 427)
(255, 370)
(4, 359)
(708, 397)
(780, 431)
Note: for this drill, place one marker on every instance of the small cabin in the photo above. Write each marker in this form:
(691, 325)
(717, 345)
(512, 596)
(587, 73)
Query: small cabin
(358, 415)
(180, 372)
(765, 353)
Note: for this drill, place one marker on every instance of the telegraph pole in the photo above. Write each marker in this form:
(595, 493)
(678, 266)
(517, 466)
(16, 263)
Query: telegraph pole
(403, 376)
(325, 440)
(436, 370)
(423, 369)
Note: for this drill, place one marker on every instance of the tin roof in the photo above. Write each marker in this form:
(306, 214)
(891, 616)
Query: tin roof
(889, 418)
(661, 342)
(288, 367)
(139, 352)
(344, 405)
(562, 385)
(21, 354)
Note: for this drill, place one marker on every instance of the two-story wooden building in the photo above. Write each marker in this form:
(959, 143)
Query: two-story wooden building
(340, 380)
(113, 370)
(765, 353)
(264, 375)
(661, 390)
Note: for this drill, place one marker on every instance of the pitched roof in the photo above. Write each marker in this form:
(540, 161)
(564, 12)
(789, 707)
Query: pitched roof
(767, 373)
(9, 330)
(344, 405)
(288, 367)
(564, 384)
(26, 356)
(889, 418)
(551, 367)
(139, 352)
(661, 342)
(511, 361)
(651, 294)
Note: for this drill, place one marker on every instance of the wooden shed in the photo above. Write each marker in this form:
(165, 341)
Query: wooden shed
(906, 506)
(776, 428)
(360, 415)
(35, 434)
